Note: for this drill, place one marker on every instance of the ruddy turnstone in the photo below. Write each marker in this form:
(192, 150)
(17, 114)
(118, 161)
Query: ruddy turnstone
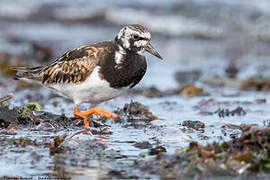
(98, 72)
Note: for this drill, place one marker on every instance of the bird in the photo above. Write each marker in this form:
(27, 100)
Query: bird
(96, 73)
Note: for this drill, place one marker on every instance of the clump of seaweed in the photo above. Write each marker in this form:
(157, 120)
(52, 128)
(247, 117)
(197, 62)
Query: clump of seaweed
(19, 142)
(153, 92)
(232, 130)
(239, 111)
(31, 115)
(56, 146)
(157, 150)
(248, 154)
(12, 117)
(135, 111)
(192, 90)
(257, 83)
(197, 125)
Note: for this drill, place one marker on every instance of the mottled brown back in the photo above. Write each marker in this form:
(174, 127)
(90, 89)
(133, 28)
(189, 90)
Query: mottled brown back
(73, 66)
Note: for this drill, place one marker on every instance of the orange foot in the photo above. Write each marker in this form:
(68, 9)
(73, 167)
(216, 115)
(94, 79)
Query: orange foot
(96, 110)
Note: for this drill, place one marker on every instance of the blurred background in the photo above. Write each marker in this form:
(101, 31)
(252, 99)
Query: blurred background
(182, 30)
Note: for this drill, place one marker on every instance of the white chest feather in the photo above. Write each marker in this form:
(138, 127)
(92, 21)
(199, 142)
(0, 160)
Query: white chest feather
(92, 90)
(118, 57)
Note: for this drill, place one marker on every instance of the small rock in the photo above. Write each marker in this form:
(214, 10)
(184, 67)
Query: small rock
(232, 70)
(55, 147)
(258, 84)
(192, 90)
(197, 125)
(143, 145)
(188, 76)
(239, 111)
(266, 123)
(261, 101)
(153, 92)
(157, 150)
(135, 110)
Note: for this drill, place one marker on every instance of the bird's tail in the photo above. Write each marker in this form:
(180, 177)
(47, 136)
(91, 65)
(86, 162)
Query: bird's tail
(31, 73)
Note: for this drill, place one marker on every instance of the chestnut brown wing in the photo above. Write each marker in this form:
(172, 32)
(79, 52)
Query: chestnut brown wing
(73, 66)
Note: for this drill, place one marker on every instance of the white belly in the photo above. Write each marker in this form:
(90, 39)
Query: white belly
(92, 90)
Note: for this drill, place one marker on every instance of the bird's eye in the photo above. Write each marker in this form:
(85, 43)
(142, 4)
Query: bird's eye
(136, 37)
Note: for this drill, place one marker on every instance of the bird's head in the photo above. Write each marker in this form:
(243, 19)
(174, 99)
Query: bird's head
(136, 38)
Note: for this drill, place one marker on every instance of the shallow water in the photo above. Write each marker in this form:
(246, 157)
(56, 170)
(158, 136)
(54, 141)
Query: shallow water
(188, 38)
(165, 131)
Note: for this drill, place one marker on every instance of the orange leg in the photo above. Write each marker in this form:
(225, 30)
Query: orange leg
(96, 110)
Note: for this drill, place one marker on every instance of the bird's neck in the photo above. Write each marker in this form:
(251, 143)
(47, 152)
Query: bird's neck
(121, 50)
(125, 46)
(125, 57)
(123, 68)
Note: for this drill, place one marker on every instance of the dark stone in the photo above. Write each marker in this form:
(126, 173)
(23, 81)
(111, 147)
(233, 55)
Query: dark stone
(143, 145)
(197, 125)
(157, 150)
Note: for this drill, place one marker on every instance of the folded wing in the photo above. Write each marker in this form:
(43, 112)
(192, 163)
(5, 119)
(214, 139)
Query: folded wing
(73, 66)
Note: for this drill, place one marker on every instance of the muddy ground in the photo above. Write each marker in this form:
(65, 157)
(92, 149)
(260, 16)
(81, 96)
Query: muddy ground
(202, 113)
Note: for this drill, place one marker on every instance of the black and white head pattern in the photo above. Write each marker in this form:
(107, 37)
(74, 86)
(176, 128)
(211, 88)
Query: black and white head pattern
(134, 38)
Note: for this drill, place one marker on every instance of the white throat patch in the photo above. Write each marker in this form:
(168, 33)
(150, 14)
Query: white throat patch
(118, 56)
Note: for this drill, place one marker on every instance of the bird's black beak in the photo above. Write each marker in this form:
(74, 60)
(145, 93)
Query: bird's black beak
(149, 48)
